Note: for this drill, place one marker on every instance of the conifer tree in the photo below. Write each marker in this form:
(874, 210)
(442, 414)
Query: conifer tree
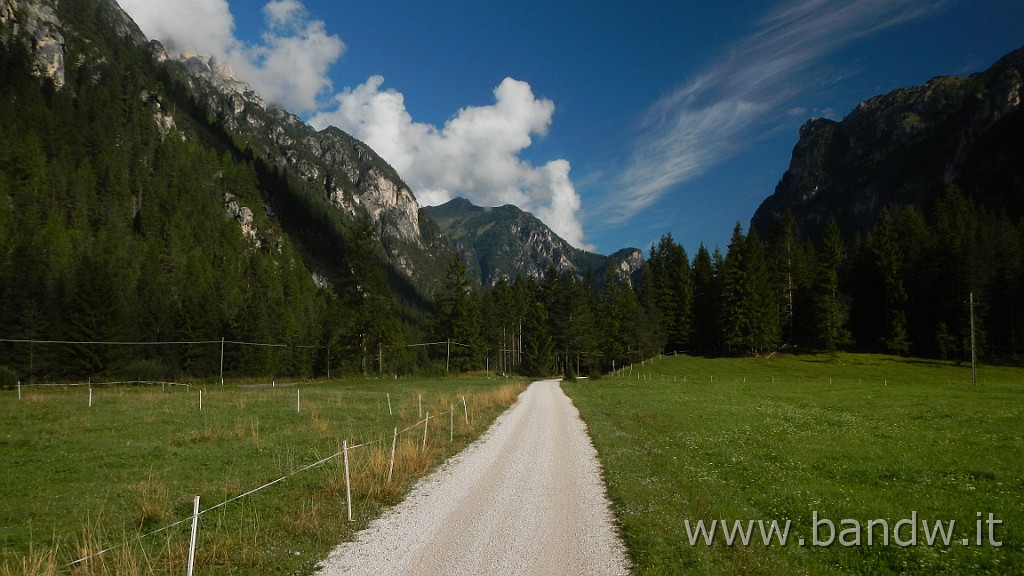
(705, 301)
(458, 318)
(831, 317)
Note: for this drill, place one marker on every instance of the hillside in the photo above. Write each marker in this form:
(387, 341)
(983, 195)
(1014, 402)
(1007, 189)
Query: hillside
(905, 148)
(149, 199)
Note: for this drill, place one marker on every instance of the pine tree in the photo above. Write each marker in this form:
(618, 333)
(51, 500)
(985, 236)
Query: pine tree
(705, 301)
(458, 318)
(888, 259)
(831, 317)
(670, 292)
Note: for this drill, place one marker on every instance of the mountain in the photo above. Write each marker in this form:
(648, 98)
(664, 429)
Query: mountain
(905, 148)
(339, 174)
(506, 242)
(149, 198)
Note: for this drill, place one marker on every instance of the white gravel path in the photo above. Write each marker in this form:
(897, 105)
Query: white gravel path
(526, 498)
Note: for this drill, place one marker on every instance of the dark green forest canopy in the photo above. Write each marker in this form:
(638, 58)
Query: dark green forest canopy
(114, 228)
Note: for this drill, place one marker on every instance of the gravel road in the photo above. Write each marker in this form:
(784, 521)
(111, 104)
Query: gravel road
(526, 498)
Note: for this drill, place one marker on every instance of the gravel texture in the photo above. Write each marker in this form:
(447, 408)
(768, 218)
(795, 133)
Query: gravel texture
(526, 498)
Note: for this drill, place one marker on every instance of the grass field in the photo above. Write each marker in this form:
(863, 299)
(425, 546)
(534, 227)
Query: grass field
(79, 479)
(860, 439)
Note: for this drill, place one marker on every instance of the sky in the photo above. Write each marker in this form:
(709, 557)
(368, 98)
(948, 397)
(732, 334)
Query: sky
(614, 122)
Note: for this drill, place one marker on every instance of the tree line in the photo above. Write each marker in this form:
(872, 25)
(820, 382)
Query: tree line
(902, 288)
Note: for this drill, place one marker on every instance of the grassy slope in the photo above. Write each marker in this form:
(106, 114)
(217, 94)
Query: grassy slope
(858, 437)
(79, 479)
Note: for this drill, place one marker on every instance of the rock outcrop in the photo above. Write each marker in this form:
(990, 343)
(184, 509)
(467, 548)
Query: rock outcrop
(38, 21)
(906, 147)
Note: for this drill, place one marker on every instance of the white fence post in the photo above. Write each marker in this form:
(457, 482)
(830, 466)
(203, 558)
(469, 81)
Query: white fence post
(195, 530)
(391, 467)
(298, 400)
(451, 424)
(425, 422)
(390, 413)
(221, 360)
(466, 409)
(348, 486)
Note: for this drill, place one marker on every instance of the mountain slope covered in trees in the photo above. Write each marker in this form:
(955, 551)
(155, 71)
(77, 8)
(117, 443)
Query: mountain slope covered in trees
(142, 199)
(145, 199)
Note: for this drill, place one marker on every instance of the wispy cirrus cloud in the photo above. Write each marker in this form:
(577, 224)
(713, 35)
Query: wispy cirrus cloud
(706, 120)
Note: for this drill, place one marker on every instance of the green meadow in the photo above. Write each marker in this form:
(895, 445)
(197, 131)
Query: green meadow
(115, 482)
(859, 442)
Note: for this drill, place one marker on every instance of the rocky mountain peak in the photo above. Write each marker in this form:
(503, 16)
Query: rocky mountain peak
(905, 147)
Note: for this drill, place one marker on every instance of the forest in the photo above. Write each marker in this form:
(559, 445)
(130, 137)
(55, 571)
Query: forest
(115, 230)
(904, 289)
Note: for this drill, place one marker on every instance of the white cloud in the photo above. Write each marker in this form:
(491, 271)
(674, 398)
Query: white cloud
(289, 67)
(205, 26)
(707, 120)
(475, 155)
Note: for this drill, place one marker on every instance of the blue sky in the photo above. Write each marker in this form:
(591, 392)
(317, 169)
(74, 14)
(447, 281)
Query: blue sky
(614, 122)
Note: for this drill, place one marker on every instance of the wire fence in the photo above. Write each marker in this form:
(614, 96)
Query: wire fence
(424, 422)
(210, 362)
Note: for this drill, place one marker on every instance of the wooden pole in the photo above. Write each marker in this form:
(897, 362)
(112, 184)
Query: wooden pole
(974, 347)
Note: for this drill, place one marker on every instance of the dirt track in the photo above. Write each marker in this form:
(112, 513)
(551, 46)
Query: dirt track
(527, 498)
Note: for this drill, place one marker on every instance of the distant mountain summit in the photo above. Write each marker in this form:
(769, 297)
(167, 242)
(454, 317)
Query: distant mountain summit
(506, 242)
(905, 148)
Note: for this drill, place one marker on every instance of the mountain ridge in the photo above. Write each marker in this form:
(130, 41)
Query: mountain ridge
(906, 147)
(505, 241)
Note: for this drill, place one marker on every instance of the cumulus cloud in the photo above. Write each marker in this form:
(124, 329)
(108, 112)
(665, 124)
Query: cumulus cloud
(289, 67)
(476, 154)
(707, 120)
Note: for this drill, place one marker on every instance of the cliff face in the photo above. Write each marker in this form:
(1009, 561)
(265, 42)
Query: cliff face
(906, 147)
(350, 177)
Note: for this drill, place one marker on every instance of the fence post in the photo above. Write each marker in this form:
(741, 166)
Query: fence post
(221, 360)
(195, 530)
(298, 400)
(420, 397)
(19, 389)
(391, 467)
(348, 486)
(390, 413)
(425, 422)
(451, 425)
(466, 409)
(200, 399)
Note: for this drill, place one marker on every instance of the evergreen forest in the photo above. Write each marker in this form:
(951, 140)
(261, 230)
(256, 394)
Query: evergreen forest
(114, 229)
